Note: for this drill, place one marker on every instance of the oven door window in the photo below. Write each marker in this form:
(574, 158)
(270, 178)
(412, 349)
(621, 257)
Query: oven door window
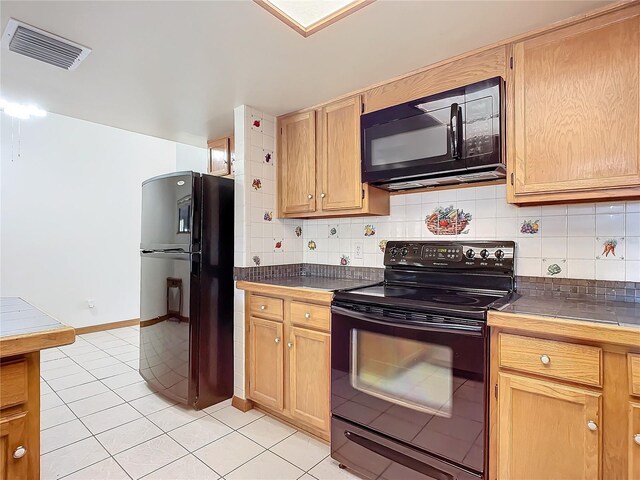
(406, 372)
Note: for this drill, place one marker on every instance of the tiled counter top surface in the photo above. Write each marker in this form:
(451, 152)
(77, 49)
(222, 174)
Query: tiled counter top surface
(327, 284)
(585, 309)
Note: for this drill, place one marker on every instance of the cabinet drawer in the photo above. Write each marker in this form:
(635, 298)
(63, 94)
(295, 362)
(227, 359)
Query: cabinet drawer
(634, 373)
(313, 316)
(13, 377)
(267, 307)
(565, 361)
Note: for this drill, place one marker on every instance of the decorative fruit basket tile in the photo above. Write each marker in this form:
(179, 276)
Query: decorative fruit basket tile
(369, 230)
(298, 231)
(448, 221)
(333, 231)
(345, 260)
(382, 244)
(268, 216)
(530, 227)
(554, 267)
(311, 245)
(256, 260)
(610, 248)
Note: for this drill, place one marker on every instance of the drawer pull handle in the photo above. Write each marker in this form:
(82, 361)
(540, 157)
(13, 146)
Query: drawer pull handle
(591, 425)
(277, 340)
(636, 438)
(309, 196)
(545, 359)
(307, 315)
(289, 344)
(19, 452)
(323, 195)
(263, 307)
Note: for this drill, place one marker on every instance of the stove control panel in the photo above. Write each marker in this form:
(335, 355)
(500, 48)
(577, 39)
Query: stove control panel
(467, 255)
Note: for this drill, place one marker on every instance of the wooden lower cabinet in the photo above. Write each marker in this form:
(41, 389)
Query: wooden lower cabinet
(309, 374)
(12, 445)
(634, 440)
(288, 357)
(265, 364)
(547, 430)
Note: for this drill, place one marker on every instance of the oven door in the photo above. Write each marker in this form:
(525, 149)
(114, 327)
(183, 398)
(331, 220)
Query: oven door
(420, 383)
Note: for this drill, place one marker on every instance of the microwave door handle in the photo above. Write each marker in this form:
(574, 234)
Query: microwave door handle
(453, 121)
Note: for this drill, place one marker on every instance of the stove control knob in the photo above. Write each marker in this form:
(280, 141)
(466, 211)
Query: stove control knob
(470, 253)
(484, 253)
(499, 254)
(393, 251)
(404, 251)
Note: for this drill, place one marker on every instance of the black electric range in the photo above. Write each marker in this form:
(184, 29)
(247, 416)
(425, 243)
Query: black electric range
(409, 361)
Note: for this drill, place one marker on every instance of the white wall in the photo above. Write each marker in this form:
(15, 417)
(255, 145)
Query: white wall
(70, 215)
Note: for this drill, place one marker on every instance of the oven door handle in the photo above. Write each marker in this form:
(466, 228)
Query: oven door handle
(398, 457)
(471, 330)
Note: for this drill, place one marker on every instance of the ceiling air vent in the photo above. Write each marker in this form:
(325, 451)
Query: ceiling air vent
(44, 46)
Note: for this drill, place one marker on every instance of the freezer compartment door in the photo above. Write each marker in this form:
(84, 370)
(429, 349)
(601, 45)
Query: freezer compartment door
(169, 322)
(170, 212)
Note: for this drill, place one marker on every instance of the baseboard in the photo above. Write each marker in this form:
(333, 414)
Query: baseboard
(108, 326)
(241, 403)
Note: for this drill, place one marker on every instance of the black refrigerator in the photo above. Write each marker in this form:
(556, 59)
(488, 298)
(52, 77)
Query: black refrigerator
(186, 287)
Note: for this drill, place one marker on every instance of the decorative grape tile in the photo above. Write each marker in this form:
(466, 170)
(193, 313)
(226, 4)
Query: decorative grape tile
(530, 227)
(268, 216)
(267, 157)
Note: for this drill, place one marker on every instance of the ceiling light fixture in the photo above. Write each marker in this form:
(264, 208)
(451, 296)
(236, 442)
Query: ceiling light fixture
(23, 112)
(308, 16)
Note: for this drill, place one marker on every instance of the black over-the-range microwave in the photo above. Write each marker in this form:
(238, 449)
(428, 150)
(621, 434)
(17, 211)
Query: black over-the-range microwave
(449, 138)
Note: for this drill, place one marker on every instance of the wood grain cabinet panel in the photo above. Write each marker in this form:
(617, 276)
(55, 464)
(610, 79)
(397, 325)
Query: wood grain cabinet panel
(13, 378)
(633, 365)
(309, 370)
(12, 439)
(634, 440)
(550, 358)
(266, 307)
(543, 430)
(341, 185)
(266, 353)
(574, 132)
(219, 156)
(297, 179)
(311, 316)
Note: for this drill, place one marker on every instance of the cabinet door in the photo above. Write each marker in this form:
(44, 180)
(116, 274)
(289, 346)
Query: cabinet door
(298, 163)
(220, 157)
(266, 363)
(576, 95)
(544, 430)
(310, 370)
(634, 440)
(13, 457)
(341, 182)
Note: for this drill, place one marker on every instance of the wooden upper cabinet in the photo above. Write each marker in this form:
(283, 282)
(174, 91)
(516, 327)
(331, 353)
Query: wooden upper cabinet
(219, 156)
(545, 430)
(574, 117)
(266, 381)
(340, 182)
(297, 186)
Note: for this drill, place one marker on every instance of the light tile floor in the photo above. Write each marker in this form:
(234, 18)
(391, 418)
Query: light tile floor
(100, 420)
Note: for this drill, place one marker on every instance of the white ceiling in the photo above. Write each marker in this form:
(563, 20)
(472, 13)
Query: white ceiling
(177, 69)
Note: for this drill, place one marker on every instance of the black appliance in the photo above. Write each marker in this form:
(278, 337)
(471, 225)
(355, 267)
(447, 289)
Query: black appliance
(449, 138)
(409, 361)
(186, 287)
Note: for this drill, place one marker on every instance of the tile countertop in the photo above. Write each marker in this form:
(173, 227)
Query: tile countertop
(327, 284)
(586, 309)
(24, 328)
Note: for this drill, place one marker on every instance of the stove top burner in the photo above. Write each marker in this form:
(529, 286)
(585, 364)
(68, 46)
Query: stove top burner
(457, 299)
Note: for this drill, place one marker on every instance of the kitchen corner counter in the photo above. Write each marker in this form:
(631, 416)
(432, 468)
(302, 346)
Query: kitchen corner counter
(25, 329)
(303, 287)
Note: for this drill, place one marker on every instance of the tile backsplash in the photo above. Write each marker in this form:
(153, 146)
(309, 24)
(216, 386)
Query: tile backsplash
(588, 241)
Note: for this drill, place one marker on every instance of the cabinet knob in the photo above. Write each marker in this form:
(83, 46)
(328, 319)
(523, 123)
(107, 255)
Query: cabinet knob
(591, 425)
(545, 359)
(289, 344)
(19, 452)
(636, 438)
(309, 196)
(307, 315)
(277, 340)
(323, 195)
